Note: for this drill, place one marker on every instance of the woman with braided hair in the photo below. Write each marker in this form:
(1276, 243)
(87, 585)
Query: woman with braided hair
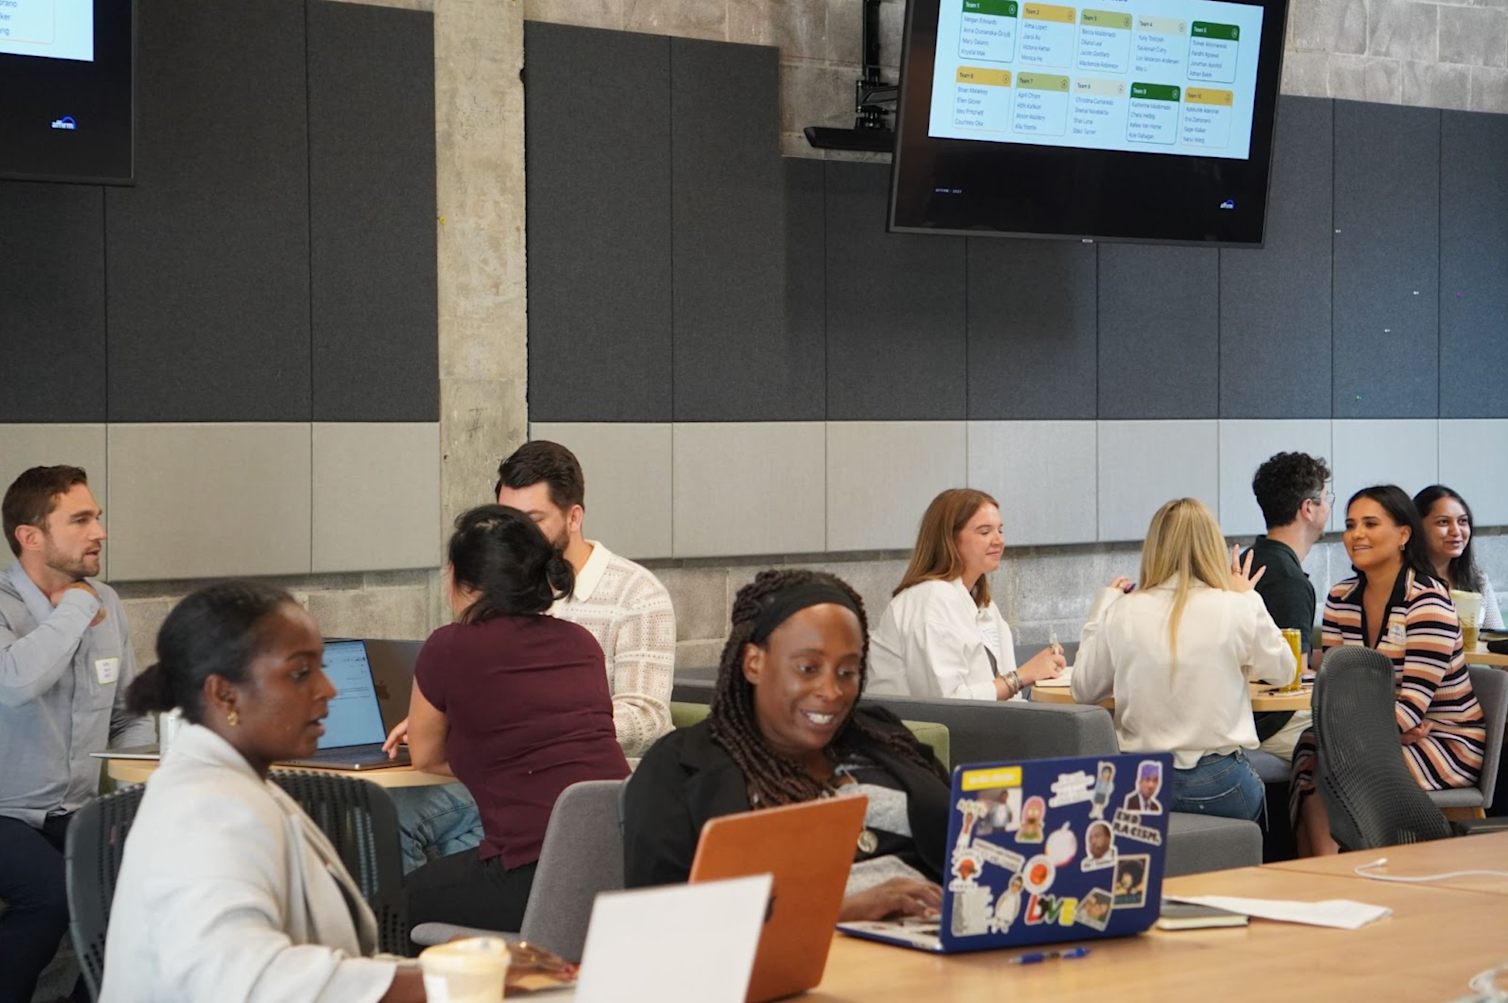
(784, 729)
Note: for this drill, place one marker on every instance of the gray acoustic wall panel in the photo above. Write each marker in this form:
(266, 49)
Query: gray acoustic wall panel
(52, 303)
(597, 136)
(1473, 264)
(1159, 332)
(208, 255)
(738, 357)
(372, 214)
(1032, 329)
(895, 309)
(1387, 244)
(1275, 302)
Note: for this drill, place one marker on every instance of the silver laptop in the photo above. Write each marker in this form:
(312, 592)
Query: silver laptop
(354, 729)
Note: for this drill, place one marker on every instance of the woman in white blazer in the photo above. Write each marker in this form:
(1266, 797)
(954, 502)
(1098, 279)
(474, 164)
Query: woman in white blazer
(228, 891)
(1177, 655)
(942, 635)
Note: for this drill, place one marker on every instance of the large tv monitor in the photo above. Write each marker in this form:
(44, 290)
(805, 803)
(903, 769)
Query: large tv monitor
(67, 89)
(1133, 120)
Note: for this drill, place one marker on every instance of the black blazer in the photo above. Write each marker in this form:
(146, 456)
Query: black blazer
(687, 778)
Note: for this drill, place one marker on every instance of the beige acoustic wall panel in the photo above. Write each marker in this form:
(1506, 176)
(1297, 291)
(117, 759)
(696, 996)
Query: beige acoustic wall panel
(1042, 473)
(376, 495)
(25, 446)
(1401, 451)
(627, 470)
(744, 488)
(1143, 464)
(882, 474)
(1245, 446)
(194, 500)
(1473, 465)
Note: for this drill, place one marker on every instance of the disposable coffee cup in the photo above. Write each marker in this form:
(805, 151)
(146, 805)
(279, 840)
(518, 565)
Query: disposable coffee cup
(1469, 611)
(465, 971)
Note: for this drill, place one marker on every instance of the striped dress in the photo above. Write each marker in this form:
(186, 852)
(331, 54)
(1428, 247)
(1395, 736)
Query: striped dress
(1423, 638)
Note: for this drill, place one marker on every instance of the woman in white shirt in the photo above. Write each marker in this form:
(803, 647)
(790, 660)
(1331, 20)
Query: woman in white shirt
(942, 635)
(1177, 655)
(228, 891)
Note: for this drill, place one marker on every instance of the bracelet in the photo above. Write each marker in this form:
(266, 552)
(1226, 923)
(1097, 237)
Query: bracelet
(1013, 680)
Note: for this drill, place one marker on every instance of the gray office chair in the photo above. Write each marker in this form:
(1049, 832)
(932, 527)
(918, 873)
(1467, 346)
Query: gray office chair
(92, 854)
(1491, 687)
(1369, 794)
(359, 820)
(582, 855)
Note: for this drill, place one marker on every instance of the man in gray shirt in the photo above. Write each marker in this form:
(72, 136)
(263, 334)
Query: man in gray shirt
(65, 663)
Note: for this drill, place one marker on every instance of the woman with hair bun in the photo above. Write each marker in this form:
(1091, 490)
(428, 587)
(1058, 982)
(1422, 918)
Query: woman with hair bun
(512, 703)
(228, 891)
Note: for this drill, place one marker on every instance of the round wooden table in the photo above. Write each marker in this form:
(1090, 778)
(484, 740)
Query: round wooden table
(1481, 656)
(1262, 697)
(136, 771)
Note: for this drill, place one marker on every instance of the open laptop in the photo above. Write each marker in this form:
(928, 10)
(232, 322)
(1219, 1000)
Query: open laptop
(354, 729)
(808, 848)
(1046, 851)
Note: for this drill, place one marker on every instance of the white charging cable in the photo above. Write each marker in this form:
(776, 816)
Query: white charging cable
(1361, 870)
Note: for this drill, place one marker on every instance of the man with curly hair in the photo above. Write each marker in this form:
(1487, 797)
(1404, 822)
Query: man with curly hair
(1293, 492)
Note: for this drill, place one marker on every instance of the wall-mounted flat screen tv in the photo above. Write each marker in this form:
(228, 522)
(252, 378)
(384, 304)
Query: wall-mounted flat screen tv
(66, 90)
(1130, 120)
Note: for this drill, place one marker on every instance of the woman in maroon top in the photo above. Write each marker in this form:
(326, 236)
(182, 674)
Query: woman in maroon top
(512, 703)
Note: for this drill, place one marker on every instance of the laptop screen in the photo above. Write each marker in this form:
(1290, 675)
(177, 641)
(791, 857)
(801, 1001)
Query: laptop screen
(355, 718)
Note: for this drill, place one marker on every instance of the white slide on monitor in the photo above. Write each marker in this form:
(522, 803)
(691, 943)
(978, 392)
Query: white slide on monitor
(51, 29)
(1147, 76)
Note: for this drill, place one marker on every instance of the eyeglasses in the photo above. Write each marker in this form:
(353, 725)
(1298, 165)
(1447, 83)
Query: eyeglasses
(1328, 497)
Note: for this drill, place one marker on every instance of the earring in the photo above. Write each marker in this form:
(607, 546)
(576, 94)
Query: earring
(233, 718)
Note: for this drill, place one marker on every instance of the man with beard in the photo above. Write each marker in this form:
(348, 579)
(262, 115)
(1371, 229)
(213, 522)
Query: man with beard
(622, 605)
(65, 663)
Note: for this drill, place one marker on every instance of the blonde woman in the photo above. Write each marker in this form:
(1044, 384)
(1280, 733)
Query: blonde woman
(942, 635)
(1177, 655)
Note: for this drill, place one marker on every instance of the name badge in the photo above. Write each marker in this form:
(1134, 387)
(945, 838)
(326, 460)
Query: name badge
(106, 670)
(1396, 634)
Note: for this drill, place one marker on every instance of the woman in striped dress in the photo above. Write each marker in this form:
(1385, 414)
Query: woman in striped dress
(1396, 606)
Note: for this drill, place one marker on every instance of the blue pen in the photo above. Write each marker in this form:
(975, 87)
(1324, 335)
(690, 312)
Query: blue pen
(1037, 956)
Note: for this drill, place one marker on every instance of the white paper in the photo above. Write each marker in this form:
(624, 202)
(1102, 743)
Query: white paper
(1342, 914)
(676, 944)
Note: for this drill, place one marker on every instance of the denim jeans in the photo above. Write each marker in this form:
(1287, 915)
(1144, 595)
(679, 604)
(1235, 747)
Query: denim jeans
(435, 820)
(1226, 785)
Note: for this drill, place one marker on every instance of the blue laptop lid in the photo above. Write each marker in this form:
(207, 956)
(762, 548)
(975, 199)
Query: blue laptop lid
(1055, 849)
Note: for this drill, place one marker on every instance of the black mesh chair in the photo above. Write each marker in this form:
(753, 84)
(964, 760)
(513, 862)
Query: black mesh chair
(358, 817)
(1369, 794)
(91, 858)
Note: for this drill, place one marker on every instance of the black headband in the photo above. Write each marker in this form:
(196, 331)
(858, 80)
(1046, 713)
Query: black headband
(794, 599)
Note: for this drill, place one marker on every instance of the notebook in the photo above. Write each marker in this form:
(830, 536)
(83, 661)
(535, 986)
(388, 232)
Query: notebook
(808, 848)
(1046, 851)
(354, 727)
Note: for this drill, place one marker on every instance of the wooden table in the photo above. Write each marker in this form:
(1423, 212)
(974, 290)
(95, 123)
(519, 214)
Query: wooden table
(136, 771)
(1436, 939)
(1262, 697)
(1481, 656)
(1442, 856)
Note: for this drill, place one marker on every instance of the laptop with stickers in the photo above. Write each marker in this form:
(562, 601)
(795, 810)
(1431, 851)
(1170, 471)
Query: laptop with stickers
(1046, 851)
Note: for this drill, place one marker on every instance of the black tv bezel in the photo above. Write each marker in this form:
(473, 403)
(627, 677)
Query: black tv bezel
(107, 85)
(1160, 198)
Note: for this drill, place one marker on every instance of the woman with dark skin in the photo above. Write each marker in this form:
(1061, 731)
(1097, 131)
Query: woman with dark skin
(784, 728)
(228, 890)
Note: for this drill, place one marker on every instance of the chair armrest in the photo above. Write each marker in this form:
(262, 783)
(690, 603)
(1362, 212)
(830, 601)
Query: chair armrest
(429, 934)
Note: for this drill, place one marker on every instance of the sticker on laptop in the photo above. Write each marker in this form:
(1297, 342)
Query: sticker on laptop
(1008, 906)
(973, 911)
(1131, 881)
(1095, 909)
(1099, 847)
(1104, 786)
(1071, 788)
(1033, 818)
(1143, 800)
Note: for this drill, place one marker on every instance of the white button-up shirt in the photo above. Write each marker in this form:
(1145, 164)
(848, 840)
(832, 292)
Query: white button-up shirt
(933, 641)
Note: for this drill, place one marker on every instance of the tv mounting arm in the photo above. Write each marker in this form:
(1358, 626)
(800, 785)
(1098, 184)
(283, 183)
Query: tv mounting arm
(874, 101)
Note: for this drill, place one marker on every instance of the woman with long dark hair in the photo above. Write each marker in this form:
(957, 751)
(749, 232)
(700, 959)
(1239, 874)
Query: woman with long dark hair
(512, 703)
(784, 728)
(1395, 605)
(1447, 525)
